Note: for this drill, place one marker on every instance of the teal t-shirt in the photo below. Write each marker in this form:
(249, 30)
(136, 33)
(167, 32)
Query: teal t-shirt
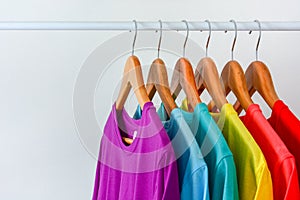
(217, 155)
(192, 169)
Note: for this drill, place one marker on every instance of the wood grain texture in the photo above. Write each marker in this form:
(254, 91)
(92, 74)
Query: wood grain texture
(258, 78)
(132, 79)
(158, 81)
(207, 77)
(183, 78)
(233, 79)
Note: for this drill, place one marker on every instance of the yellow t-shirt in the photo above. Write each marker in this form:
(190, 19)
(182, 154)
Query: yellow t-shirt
(254, 178)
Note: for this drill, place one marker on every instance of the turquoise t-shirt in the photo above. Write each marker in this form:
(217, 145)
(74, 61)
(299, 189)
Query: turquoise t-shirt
(192, 169)
(217, 155)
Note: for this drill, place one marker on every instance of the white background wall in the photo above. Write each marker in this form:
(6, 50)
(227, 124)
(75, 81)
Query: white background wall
(41, 156)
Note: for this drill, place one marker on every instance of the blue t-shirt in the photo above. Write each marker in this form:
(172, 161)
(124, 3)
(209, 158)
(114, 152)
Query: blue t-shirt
(217, 155)
(192, 169)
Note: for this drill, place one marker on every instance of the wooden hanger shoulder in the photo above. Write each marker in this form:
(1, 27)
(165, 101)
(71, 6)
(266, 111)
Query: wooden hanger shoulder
(132, 78)
(206, 76)
(158, 81)
(183, 78)
(233, 79)
(258, 78)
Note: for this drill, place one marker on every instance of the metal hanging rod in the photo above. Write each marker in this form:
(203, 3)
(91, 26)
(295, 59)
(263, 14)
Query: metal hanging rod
(148, 26)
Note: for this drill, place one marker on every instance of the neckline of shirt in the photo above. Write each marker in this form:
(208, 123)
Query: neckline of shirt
(136, 124)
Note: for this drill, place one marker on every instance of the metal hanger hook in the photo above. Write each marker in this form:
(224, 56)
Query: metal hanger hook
(135, 34)
(235, 37)
(160, 37)
(208, 39)
(187, 35)
(258, 40)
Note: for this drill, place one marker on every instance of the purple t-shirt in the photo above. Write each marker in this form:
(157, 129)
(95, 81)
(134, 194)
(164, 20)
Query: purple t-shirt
(145, 169)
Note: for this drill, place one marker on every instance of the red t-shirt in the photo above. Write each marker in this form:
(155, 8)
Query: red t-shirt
(287, 126)
(280, 161)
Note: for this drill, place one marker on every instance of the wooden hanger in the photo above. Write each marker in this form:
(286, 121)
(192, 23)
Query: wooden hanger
(207, 77)
(258, 78)
(132, 79)
(233, 79)
(183, 78)
(158, 80)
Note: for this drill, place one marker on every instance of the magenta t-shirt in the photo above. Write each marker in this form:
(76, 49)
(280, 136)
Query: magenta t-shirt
(145, 169)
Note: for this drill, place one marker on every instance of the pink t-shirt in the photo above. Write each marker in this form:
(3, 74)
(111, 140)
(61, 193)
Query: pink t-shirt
(145, 169)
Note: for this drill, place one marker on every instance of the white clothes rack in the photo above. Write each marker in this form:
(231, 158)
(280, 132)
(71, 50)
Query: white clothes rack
(148, 26)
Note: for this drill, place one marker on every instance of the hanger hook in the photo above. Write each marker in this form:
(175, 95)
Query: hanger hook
(235, 37)
(187, 35)
(208, 39)
(160, 37)
(134, 39)
(258, 40)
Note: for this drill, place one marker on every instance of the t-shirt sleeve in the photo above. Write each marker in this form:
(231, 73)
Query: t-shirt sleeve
(196, 187)
(264, 186)
(289, 179)
(225, 181)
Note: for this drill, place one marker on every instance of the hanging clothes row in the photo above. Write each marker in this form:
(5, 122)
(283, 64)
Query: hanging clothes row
(197, 150)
